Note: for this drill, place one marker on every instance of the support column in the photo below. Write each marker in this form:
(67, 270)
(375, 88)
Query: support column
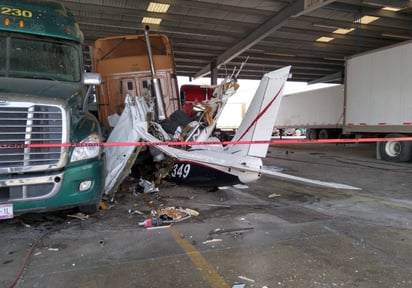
(213, 72)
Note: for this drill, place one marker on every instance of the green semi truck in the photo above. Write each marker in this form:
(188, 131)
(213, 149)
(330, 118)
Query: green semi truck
(50, 152)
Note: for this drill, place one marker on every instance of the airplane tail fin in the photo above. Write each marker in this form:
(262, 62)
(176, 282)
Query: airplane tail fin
(259, 120)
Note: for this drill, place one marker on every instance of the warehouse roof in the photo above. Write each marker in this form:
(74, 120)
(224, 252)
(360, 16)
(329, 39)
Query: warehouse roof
(314, 36)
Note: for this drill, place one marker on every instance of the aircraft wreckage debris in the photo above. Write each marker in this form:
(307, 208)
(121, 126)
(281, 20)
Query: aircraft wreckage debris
(219, 231)
(212, 241)
(247, 279)
(80, 216)
(165, 216)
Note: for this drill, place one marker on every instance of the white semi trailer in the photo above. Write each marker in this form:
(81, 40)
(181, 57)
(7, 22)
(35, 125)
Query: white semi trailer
(378, 98)
(320, 111)
(375, 101)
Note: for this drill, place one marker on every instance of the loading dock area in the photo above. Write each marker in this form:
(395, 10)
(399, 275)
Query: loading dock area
(269, 234)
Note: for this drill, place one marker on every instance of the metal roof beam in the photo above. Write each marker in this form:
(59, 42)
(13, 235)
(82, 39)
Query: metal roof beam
(270, 26)
(336, 77)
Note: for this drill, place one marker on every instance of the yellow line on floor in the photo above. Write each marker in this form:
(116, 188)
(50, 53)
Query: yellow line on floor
(207, 270)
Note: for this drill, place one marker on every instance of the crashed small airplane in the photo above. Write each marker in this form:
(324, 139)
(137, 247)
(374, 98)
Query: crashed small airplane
(209, 163)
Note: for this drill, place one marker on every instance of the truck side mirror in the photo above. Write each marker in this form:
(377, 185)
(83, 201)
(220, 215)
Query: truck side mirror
(90, 78)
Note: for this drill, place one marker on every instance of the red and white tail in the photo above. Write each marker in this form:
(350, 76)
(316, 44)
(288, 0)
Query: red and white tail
(259, 120)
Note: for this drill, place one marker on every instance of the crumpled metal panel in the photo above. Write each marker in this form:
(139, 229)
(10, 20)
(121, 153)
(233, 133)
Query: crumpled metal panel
(120, 159)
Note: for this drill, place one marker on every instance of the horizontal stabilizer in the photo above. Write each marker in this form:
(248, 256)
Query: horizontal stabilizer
(308, 181)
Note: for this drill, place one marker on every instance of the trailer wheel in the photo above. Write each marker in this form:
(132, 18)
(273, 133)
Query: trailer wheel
(323, 134)
(311, 134)
(397, 151)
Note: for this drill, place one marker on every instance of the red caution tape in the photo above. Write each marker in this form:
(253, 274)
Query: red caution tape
(194, 143)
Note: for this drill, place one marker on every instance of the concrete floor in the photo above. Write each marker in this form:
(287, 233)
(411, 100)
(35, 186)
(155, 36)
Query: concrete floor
(304, 236)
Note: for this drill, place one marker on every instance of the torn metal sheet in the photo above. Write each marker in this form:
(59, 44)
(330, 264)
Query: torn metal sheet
(148, 186)
(120, 159)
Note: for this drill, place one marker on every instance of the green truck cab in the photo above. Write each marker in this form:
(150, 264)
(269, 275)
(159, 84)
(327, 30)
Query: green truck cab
(51, 155)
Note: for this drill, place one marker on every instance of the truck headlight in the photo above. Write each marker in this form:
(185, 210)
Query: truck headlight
(88, 148)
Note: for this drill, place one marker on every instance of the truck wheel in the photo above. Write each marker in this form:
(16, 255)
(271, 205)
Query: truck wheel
(90, 209)
(323, 134)
(397, 151)
(311, 134)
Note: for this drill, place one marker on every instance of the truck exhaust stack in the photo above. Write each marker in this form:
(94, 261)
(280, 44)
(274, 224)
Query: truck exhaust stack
(161, 114)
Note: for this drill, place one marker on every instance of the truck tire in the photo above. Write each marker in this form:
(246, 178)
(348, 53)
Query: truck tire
(396, 151)
(323, 134)
(90, 209)
(311, 134)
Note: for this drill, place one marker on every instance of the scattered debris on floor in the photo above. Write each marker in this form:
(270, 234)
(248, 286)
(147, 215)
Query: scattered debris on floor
(80, 216)
(274, 195)
(135, 211)
(247, 279)
(54, 249)
(24, 224)
(191, 212)
(218, 231)
(156, 217)
(173, 215)
(212, 241)
(151, 222)
(146, 186)
(164, 216)
(103, 205)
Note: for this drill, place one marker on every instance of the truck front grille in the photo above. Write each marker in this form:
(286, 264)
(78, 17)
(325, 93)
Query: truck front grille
(25, 192)
(34, 124)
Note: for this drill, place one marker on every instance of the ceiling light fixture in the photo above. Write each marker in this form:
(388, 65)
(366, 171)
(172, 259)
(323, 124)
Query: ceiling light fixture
(157, 7)
(338, 30)
(324, 39)
(343, 30)
(367, 19)
(383, 6)
(391, 8)
(150, 20)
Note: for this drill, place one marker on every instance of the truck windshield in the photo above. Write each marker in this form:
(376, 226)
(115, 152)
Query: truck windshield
(39, 59)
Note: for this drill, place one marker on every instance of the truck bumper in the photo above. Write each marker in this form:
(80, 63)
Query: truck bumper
(64, 189)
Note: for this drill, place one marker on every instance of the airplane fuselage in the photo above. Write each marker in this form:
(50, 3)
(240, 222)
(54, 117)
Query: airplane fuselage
(201, 175)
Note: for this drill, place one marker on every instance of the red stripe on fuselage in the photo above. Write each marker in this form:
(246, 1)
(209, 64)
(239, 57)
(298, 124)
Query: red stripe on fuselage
(260, 114)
